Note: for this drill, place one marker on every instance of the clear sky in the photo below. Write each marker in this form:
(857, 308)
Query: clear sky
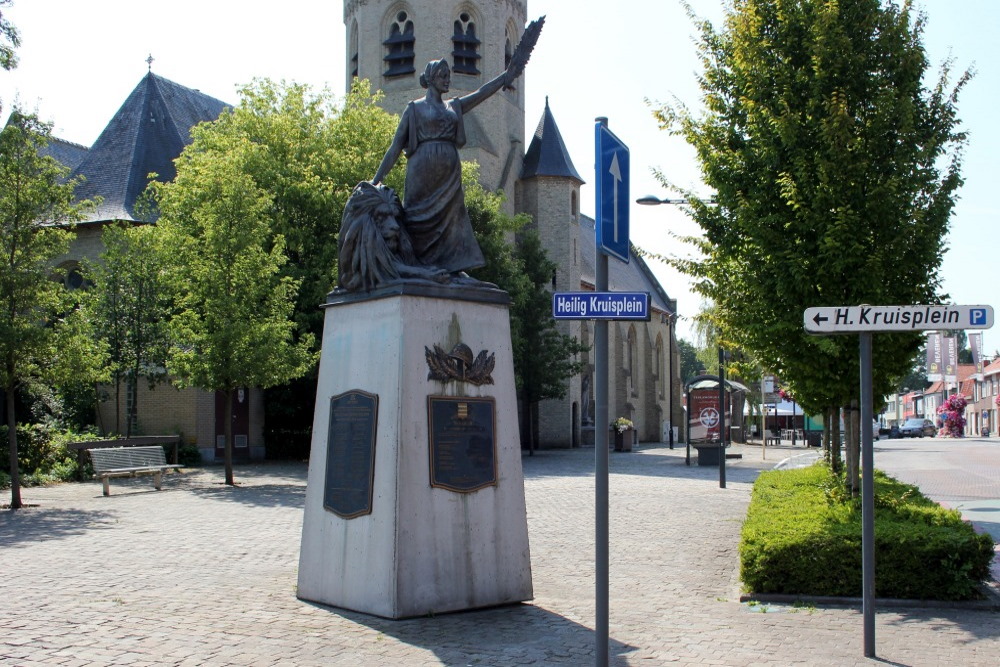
(80, 60)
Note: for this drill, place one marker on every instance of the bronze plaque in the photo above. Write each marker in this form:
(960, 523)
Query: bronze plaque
(463, 444)
(350, 454)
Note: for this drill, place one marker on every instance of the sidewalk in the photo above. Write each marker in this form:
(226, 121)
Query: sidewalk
(203, 574)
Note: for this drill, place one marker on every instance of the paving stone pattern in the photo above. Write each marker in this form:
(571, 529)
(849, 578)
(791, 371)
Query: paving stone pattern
(203, 574)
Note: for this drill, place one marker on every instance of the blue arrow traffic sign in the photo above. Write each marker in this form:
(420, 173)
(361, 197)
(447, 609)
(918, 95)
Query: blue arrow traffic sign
(612, 194)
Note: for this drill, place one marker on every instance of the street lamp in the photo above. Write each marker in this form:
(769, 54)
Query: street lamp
(652, 200)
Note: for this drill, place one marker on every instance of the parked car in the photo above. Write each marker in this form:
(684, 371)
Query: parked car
(917, 428)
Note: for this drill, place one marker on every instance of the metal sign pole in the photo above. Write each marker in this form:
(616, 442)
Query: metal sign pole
(867, 496)
(722, 418)
(601, 532)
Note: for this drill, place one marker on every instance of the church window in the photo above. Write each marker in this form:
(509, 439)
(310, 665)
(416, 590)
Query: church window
(508, 49)
(353, 64)
(399, 46)
(660, 376)
(466, 45)
(632, 361)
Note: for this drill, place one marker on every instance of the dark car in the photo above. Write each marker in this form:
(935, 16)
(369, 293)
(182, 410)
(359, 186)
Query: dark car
(917, 428)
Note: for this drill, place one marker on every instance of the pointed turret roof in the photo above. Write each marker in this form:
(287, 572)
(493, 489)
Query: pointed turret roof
(547, 154)
(146, 135)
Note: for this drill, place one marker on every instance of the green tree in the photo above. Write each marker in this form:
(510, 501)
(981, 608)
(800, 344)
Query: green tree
(41, 337)
(232, 326)
(691, 365)
(307, 149)
(129, 306)
(835, 171)
(10, 39)
(544, 359)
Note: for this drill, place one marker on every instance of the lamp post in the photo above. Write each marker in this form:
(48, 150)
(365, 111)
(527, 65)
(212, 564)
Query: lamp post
(650, 200)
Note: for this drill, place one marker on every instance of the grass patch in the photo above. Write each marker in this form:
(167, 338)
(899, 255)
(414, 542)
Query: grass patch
(802, 536)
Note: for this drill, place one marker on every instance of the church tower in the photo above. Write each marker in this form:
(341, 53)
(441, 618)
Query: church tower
(390, 41)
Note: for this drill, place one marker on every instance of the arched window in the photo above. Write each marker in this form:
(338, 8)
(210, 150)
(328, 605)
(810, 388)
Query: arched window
(509, 44)
(399, 46)
(466, 45)
(661, 378)
(632, 361)
(353, 61)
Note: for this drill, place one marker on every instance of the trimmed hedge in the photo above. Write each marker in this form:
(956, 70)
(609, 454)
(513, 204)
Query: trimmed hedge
(802, 536)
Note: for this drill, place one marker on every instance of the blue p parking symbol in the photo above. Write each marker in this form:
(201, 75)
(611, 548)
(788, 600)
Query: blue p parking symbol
(977, 316)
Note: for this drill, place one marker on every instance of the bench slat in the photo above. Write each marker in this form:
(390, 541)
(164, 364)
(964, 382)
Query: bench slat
(129, 462)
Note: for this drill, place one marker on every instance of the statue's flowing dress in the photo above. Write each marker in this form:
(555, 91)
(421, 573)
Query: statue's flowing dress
(436, 218)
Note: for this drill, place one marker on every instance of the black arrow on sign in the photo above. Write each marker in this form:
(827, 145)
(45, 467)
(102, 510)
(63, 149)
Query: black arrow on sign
(819, 319)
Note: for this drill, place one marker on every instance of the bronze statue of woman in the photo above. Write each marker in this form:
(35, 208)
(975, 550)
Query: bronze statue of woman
(430, 133)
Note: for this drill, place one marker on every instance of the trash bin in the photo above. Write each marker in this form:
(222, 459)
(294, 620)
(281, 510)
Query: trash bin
(814, 438)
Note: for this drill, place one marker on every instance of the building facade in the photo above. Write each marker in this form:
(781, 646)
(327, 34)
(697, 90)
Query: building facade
(389, 42)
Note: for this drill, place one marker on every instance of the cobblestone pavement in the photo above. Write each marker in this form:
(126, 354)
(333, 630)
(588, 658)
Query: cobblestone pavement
(203, 574)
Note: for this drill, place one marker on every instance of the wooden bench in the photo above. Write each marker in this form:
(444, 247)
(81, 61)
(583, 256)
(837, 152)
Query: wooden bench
(129, 462)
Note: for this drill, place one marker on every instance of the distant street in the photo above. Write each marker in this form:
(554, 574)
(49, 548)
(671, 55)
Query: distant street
(963, 474)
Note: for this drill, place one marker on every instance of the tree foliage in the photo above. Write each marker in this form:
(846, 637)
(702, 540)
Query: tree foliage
(544, 358)
(307, 150)
(232, 323)
(42, 338)
(691, 364)
(129, 306)
(835, 170)
(10, 39)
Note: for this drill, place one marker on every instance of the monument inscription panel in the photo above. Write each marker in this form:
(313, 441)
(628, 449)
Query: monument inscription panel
(463, 444)
(350, 454)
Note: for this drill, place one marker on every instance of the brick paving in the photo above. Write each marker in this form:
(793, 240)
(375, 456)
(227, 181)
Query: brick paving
(203, 574)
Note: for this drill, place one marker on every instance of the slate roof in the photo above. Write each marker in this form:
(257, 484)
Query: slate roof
(147, 133)
(547, 154)
(65, 152)
(632, 277)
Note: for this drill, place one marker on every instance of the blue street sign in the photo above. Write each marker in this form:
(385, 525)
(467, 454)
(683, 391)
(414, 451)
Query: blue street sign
(600, 306)
(612, 194)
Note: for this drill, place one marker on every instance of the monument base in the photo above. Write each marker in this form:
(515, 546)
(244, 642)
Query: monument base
(421, 508)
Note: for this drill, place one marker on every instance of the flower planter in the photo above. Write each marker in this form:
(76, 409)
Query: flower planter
(624, 440)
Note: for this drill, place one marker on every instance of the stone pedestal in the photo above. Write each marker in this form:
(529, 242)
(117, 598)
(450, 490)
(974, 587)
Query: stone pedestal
(422, 549)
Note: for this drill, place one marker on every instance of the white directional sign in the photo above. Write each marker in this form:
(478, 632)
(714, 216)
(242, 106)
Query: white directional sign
(853, 319)
(612, 194)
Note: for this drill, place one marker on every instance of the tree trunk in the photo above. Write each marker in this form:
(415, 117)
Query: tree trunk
(229, 438)
(852, 430)
(97, 408)
(836, 464)
(118, 405)
(530, 419)
(15, 474)
(827, 444)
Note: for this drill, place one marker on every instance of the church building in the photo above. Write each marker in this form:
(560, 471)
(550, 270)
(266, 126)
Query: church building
(389, 42)
(146, 135)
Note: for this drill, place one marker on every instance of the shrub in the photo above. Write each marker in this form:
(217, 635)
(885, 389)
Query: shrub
(43, 453)
(189, 456)
(801, 537)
